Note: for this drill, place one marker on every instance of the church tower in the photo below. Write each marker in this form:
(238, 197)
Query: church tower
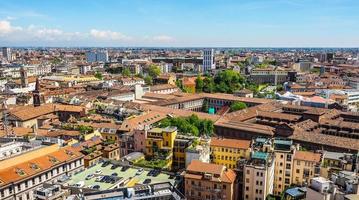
(24, 79)
(36, 94)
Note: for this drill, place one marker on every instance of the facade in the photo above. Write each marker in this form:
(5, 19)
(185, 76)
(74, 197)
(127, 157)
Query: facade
(208, 60)
(283, 155)
(258, 176)
(199, 152)
(160, 143)
(228, 152)
(306, 165)
(209, 181)
(6, 54)
(97, 56)
(21, 176)
(269, 75)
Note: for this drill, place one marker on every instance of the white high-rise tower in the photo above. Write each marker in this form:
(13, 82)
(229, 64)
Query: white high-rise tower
(208, 60)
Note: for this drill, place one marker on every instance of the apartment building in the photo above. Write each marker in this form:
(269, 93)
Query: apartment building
(22, 175)
(160, 143)
(209, 181)
(227, 152)
(306, 165)
(283, 155)
(258, 175)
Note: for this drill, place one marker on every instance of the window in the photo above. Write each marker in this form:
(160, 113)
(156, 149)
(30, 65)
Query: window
(247, 188)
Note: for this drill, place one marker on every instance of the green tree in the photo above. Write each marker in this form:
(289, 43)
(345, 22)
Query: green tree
(98, 75)
(154, 71)
(148, 80)
(228, 81)
(199, 84)
(126, 72)
(238, 106)
(208, 85)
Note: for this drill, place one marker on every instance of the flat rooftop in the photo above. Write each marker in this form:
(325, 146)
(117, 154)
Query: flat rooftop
(129, 177)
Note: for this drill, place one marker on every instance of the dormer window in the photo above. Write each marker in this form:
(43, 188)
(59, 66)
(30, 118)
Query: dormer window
(34, 166)
(53, 159)
(70, 153)
(20, 172)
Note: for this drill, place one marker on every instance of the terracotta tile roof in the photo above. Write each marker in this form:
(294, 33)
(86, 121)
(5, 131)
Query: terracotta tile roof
(142, 120)
(307, 156)
(278, 115)
(196, 169)
(179, 112)
(29, 112)
(246, 126)
(198, 166)
(230, 143)
(69, 108)
(21, 131)
(162, 87)
(37, 165)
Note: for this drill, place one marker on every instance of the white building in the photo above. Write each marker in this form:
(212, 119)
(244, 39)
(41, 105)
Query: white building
(32, 70)
(320, 189)
(258, 176)
(97, 56)
(6, 54)
(208, 60)
(84, 69)
(200, 152)
(353, 98)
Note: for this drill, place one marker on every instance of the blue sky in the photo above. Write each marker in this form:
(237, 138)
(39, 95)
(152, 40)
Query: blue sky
(216, 23)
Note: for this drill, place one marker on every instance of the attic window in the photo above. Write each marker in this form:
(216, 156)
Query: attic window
(34, 166)
(53, 159)
(70, 153)
(20, 172)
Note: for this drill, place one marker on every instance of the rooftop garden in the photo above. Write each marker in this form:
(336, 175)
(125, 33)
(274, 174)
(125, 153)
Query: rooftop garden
(189, 125)
(155, 163)
(81, 128)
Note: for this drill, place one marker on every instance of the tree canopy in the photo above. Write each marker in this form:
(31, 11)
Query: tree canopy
(227, 81)
(126, 72)
(192, 125)
(154, 71)
(98, 75)
(148, 80)
(238, 106)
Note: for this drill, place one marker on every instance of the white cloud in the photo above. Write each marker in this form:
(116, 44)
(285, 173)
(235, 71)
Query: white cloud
(38, 35)
(109, 35)
(163, 38)
(6, 27)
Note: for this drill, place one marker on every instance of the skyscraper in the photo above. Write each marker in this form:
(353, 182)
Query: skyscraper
(97, 56)
(208, 60)
(6, 54)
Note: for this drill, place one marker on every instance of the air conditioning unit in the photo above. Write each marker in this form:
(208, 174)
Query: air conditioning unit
(207, 176)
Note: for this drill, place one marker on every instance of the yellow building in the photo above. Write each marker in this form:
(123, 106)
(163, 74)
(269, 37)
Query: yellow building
(160, 140)
(306, 165)
(181, 144)
(283, 155)
(228, 151)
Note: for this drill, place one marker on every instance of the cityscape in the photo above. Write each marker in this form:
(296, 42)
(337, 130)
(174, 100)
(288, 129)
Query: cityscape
(179, 100)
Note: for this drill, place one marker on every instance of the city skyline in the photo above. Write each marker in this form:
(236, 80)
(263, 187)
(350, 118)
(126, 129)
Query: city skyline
(141, 23)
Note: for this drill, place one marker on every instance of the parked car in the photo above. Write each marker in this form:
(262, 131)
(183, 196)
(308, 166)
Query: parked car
(147, 181)
(139, 171)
